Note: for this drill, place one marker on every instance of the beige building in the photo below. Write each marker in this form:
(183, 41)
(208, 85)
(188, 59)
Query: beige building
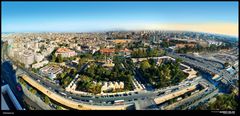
(65, 52)
(109, 86)
(39, 64)
(27, 58)
(51, 71)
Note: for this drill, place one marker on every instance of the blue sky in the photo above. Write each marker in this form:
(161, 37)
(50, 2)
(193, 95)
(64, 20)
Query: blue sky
(94, 16)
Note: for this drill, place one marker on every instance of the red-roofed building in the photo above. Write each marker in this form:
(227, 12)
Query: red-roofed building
(107, 51)
(111, 51)
(65, 52)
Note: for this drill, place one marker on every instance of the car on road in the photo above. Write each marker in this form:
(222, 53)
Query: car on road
(109, 102)
(118, 102)
(83, 100)
(111, 96)
(63, 94)
(161, 93)
(56, 91)
(175, 89)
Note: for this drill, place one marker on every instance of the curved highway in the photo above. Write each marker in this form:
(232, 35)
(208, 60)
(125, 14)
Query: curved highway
(107, 100)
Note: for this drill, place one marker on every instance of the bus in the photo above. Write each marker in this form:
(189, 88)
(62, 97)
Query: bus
(118, 102)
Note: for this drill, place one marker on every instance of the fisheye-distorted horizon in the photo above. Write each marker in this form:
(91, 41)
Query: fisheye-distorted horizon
(210, 17)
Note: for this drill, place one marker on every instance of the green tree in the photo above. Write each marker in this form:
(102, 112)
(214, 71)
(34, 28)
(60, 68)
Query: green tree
(59, 107)
(226, 64)
(59, 58)
(145, 65)
(63, 75)
(73, 72)
(47, 100)
(178, 60)
(166, 71)
(53, 58)
(34, 70)
(30, 89)
(164, 44)
(34, 91)
(224, 102)
(118, 47)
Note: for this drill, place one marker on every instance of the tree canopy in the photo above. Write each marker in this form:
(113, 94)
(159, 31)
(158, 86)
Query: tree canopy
(165, 74)
(145, 65)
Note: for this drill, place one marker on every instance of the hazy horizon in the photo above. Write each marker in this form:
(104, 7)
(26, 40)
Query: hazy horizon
(207, 17)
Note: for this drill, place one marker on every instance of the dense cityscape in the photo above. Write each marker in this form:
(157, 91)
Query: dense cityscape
(123, 70)
(116, 69)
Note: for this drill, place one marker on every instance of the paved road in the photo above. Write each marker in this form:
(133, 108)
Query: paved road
(146, 104)
(102, 100)
(194, 97)
(204, 99)
(54, 87)
(144, 96)
(208, 65)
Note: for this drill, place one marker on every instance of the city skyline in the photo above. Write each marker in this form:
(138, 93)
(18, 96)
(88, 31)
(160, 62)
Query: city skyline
(209, 17)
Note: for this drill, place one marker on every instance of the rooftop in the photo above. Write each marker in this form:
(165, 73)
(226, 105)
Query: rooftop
(107, 50)
(125, 50)
(63, 50)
